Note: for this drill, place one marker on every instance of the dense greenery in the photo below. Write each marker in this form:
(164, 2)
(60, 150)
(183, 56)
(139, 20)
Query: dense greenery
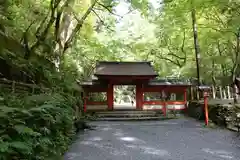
(54, 44)
(39, 132)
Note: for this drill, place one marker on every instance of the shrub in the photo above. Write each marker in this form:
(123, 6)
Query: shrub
(36, 128)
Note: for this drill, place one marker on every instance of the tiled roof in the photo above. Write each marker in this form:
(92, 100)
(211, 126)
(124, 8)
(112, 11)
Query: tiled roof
(124, 69)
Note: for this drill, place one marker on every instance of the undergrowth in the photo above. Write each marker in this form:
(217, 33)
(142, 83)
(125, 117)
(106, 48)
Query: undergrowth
(35, 127)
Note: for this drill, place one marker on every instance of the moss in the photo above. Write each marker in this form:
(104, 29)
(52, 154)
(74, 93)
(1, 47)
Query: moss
(219, 114)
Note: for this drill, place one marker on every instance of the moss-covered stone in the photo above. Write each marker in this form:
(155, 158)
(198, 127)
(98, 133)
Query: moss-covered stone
(220, 114)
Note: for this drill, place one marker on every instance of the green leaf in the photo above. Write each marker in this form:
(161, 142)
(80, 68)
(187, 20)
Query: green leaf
(6, 109)
(4, 146)
(45, 130)
(21, 146)
(21, 129)
(46, 140)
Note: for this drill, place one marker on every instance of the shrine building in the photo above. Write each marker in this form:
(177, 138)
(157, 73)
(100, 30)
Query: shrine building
(151, 93)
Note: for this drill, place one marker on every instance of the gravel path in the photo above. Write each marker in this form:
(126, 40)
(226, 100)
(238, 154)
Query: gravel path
(179, 139)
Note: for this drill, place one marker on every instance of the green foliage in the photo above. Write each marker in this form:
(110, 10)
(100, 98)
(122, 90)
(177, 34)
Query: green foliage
(217, 30)
(39, 132)
(40, 125)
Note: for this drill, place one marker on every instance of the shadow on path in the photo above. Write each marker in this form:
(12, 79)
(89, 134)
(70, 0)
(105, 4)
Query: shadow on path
(176, 139)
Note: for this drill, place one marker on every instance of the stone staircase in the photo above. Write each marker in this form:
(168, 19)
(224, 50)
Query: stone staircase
(120, 115)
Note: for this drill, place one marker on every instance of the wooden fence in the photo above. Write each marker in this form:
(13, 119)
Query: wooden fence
(216, 92)
(19, 87)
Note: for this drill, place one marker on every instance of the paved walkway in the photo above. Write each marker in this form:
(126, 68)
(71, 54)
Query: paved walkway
(180, 139)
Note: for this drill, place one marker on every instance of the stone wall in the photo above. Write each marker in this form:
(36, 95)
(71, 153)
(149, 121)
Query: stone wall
(221, 114)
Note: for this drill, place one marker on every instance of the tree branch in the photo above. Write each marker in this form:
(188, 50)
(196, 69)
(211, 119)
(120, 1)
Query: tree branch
(41, 37)
(108, 8)
(182, 47)
(173, 54)
(215, 29)
(100, 19)
(25, 41)
(177, 63)
(57, 26)
(79, 25)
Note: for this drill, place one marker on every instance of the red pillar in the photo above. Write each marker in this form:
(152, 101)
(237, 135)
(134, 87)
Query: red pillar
(164, 110)
(110, 96)
(84, 104)
(185, 99)
(139, 96)
(206, 107)
(85, 98)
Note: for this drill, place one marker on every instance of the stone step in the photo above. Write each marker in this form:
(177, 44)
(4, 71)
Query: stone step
(132, 115)
(128, 118)
(117, 114)
(127, 115)
(127, 112)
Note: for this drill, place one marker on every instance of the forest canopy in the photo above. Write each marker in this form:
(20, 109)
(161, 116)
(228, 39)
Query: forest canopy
(73, 35)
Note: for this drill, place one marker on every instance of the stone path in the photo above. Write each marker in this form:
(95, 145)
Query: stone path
(179, 139)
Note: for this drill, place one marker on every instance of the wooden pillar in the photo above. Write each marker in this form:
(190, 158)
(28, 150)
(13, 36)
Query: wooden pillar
(185, 98)
(228, 93)
(220, 90)
(224, 93)
(85, 96)
(110, 96)
(85, 104)
(185, 95)
(139, 96)
(206, 107)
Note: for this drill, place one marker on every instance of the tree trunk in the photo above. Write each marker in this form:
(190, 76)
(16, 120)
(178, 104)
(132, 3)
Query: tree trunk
(68, 31)
(196, 43)
(236, 66)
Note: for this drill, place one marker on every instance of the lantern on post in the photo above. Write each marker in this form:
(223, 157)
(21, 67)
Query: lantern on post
(205, 90)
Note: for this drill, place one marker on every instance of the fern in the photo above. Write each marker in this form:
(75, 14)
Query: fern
(4, 146)
(24, 130)
(21, 147)
(42, 128)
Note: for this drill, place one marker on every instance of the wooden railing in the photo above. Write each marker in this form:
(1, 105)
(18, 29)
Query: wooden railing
(19, 87)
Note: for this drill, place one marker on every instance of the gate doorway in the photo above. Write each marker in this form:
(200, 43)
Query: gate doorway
(124, 97)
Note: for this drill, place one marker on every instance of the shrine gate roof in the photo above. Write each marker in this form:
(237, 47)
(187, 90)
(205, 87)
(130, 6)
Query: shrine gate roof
(104, 68)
